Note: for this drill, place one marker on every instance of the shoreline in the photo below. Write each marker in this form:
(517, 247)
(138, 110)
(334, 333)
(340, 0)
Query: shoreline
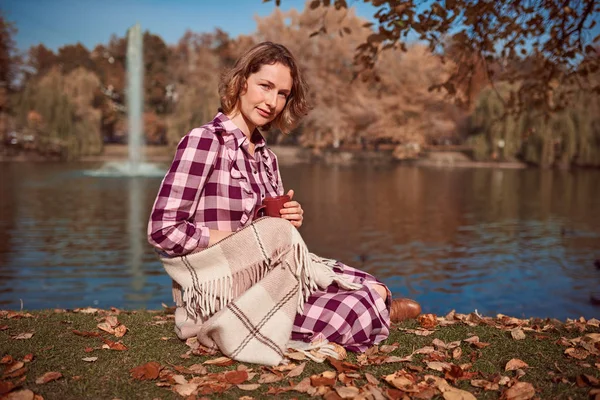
(291, 155)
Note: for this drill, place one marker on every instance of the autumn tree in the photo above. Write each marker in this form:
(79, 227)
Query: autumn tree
(501, 33)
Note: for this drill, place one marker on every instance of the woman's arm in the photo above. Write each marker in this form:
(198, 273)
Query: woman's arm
(172, 228)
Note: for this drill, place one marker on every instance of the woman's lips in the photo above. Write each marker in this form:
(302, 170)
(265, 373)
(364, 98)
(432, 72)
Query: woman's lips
(264, 113)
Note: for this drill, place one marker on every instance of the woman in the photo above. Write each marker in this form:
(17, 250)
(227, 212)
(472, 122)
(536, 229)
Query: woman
(221, 172)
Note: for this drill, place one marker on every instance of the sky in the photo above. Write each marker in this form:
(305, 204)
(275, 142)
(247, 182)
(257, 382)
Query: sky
(56, 23)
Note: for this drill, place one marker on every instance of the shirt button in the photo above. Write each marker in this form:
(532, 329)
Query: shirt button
(255, 171)
(263, 196)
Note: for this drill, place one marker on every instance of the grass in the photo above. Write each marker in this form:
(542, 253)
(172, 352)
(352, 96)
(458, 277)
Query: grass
(150, 337)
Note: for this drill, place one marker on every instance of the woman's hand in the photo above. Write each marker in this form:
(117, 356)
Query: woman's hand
(292, 211)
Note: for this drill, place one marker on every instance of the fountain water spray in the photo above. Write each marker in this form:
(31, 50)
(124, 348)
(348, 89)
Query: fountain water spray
(135, 74)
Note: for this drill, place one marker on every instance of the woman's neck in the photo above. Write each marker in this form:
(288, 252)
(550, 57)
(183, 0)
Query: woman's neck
(241, 122)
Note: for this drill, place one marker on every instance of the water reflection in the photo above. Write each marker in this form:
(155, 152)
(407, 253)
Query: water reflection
(517, 242)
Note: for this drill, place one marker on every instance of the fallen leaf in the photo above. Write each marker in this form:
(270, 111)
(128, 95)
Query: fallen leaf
(185, 389)
(296, 371)
(3, 327)
(577, 353)
(395, 359)
(236, 377)
(520, 391)
(114, 345)
(249, 387)
(120, 331)
(22, 336)
(438, 365)
(13, 366)
(515, 364)
(388, 348)
(371, 379)
(148, 371)
(487, 385)
(112, 321)
(198, 369)
(87, 310)
(347, 392)
(105, 326)
(269, 378)
(518, 334)
(296, 355)
(220, 362)
(48, 377)
(7, 359)
(24, 394)
(342, 366)
(457, 353)
(28, 358)
(89, 359)
(427, 321)
(327, 378)
(6, 386)
(14, 373)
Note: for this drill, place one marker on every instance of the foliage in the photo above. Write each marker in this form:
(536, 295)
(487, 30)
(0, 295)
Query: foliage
(550, 38)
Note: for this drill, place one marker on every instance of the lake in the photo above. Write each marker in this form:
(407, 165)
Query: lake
(516, 242)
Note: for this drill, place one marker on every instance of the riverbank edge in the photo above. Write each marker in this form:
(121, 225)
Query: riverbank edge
(290, 155)
(490, 358)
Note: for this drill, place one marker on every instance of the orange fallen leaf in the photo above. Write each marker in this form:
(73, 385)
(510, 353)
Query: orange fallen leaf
(515, 364)
(148, 371)
(249, 387)
(111, 321)
(577, 353)
(7, 359)
(269, 378)
(388, 348)
(347, 392)
(28, 357)
(236, 377)
(457, 353)
(297, 371)
(114, 345)
(520, 391)
(427, 321)
(105, 326)
(6, 386)
(13, 366)
(24, 394)
(486, 385)
(185, 389)
(120, 331)
(3, 327)
(198, 369)
(15, 373)
(342, 366)
(48, 377)
(220, 362)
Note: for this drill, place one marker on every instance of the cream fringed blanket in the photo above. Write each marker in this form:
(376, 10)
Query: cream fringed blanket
(242, 294)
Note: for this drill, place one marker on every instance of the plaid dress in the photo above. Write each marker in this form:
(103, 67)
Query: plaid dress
(215, 183)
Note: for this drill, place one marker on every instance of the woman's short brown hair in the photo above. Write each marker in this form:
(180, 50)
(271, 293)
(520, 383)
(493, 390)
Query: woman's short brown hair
(266, 53)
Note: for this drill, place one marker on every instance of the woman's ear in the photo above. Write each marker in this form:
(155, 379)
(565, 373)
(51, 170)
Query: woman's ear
(244, 87)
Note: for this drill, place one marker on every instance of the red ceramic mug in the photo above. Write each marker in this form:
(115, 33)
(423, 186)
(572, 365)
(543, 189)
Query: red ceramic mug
(271, 206)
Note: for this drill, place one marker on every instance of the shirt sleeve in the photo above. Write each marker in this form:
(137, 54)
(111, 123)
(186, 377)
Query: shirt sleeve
(172, 228)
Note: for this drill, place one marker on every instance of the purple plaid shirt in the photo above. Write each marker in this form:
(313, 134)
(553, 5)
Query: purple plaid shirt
(213, 183)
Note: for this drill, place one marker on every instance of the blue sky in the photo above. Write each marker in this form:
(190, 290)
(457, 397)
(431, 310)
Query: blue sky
(58, 22)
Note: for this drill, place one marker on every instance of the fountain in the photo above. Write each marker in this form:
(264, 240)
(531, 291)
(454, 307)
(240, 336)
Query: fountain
(135, 166)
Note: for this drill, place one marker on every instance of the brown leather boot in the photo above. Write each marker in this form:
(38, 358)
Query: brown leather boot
(403, 309)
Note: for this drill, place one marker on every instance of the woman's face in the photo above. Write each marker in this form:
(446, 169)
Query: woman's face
(265, 94)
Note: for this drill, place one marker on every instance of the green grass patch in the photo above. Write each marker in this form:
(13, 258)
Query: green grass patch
(150, 337)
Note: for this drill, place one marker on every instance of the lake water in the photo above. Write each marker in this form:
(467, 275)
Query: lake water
(517, 242)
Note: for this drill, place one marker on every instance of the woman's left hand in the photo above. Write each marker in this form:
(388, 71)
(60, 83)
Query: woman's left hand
(292, 211)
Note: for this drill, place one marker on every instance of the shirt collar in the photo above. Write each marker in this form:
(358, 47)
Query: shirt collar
(240, 138)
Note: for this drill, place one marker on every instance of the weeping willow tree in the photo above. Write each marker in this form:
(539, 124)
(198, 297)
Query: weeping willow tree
(57, 111)
(569, 137)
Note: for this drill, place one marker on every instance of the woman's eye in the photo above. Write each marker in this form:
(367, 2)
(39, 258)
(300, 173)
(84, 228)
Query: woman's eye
(264, 85)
